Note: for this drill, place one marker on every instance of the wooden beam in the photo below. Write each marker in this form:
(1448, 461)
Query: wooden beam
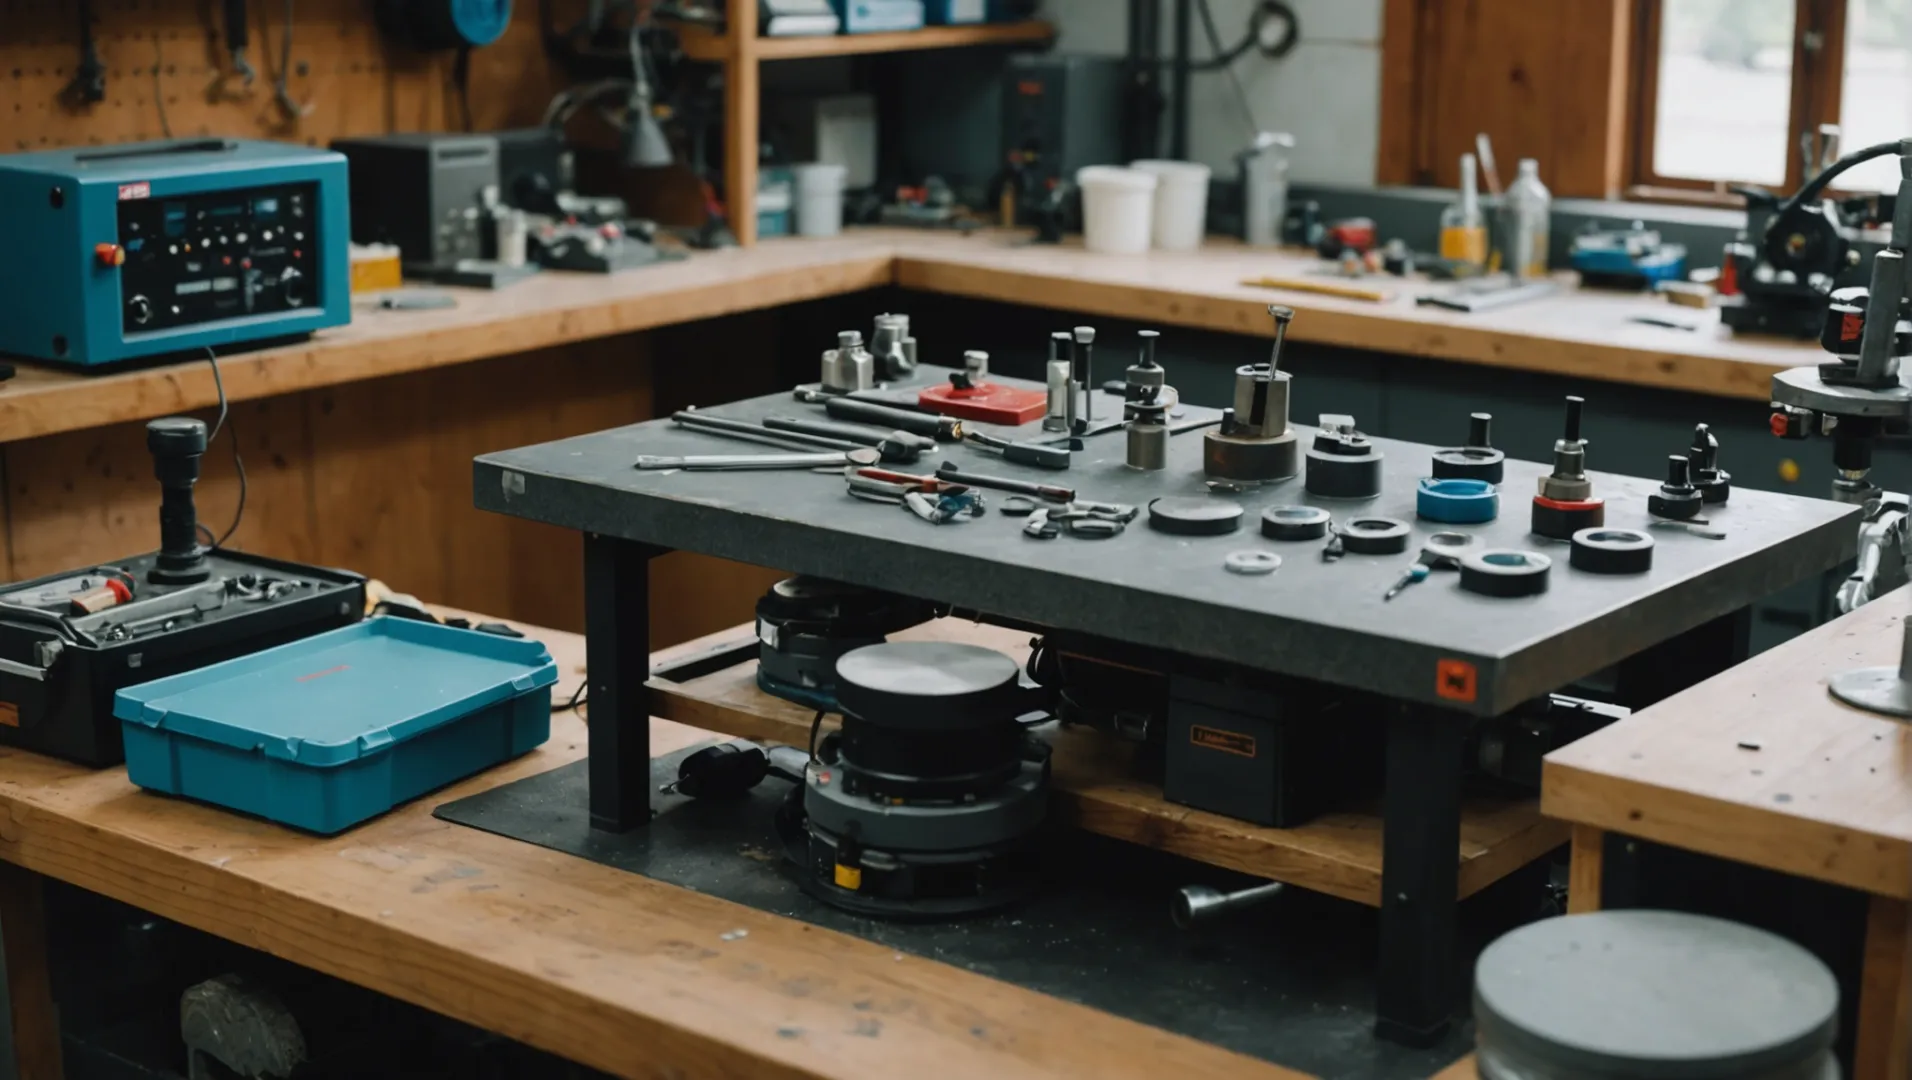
(36, 1019)
(1587, 870)
(1883, 1050)
(743, 92)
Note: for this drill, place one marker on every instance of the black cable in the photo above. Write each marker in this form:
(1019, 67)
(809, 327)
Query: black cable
(461, 81)
(577, 696)
(1258, 19)
(159, 91)
(1811, 189)
(816, 724)
(238, 463)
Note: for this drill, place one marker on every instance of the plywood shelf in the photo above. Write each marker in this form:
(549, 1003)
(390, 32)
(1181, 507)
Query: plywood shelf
(700, 43)
(1338, 853)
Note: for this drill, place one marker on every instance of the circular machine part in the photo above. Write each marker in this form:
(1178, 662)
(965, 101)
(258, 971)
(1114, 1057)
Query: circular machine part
(1194, 517)
(1653, 994)
(1343, 465)
(1018, 506)
(1504, 572)
(1295, 522)
(1236, 457)
(927, 686)
(1470, 463)
(1456, 502)
(1446, 548)
(1611, 551)
(1716, 485)
(1559, 520)
(1251, 563)
(804, 624)
(1375, 536)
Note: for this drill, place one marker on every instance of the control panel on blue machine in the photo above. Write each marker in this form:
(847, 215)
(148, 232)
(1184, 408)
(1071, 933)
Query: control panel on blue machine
(218, 255)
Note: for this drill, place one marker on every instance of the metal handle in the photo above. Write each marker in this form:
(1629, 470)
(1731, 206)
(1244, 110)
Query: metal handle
(25, 671)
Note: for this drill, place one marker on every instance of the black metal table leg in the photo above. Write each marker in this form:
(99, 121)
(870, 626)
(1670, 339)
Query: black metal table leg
(617, 659)
(1420, 868)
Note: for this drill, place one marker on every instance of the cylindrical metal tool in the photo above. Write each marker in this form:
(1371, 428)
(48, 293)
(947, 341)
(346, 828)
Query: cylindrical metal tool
(1051, 492)
(1677, 499)
(1342, 463)
(886, 345)
(1629, 994)
(738, 429)
(852, 433)
(176, 443)
(1502, 572)
(849, 367)
(1565, 503)
(1082, 369)
(1254, 441)
(976, 365)
(1611, 551)
(1194, 517)
(1145, 377)
(1148, 430)
(940, 428)
(1478, 460)
(1061, 412)
(1200, 903)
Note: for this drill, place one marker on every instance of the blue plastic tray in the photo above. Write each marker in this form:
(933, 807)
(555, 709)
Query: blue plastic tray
(339, 727)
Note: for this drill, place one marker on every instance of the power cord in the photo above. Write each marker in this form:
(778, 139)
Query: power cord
(159, 90)
(238, 463)
(1224, 58)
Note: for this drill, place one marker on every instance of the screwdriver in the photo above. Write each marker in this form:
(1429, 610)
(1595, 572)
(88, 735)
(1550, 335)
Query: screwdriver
(1414, 576)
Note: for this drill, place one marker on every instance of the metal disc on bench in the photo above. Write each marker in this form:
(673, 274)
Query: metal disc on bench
(1652, 995)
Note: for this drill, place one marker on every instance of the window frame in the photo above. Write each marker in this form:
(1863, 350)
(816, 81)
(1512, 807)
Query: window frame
(1818, 81)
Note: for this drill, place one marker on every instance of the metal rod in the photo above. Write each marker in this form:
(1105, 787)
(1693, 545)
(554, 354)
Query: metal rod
(1200, 903)
(1183, 70)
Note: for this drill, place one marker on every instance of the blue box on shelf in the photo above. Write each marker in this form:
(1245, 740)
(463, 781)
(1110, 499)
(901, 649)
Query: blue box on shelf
(327, 732)
(879, 16)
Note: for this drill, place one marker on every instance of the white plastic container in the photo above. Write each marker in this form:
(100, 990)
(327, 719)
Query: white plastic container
(1181, 203)
(1118, 209)
(819, 198)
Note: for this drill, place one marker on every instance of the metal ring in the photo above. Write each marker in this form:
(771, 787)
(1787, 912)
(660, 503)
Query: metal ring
(1374, 536)
(1252, 562)
(1601, 550)
(1504, 572)
(1295, 522)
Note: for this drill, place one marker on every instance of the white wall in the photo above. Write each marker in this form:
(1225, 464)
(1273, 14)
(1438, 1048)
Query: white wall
(1327, 92)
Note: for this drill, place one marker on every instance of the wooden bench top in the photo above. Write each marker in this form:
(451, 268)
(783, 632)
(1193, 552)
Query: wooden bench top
(1761, 765)
(1584, 334)
(610, 969)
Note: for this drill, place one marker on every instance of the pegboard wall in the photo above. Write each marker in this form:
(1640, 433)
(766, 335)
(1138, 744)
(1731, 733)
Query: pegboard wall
(168, 74)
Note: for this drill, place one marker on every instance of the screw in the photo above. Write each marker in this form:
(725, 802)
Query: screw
(1283, 316)
(850, 339)
(1677, 475)
(1573, 417)
(1148, 338)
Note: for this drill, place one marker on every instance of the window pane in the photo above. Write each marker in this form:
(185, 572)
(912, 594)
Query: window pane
(1725, 90)
(1875, 104)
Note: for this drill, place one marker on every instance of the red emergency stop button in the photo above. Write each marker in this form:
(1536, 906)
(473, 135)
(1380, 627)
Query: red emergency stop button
(110, 254)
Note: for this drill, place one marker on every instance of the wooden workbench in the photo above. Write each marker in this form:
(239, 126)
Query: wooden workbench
(607, 968)
(1760, 765)
(1578, 333)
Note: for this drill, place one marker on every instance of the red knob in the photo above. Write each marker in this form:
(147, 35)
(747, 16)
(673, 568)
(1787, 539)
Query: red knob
(109, 254)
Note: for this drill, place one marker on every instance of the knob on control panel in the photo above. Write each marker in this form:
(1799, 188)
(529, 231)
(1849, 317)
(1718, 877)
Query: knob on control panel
(141, 309)
(292, 287)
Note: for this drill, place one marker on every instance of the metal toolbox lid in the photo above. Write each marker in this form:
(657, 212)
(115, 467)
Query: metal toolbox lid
(342, 695)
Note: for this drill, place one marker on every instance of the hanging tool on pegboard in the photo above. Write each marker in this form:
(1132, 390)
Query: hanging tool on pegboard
(89, 76)
(293, 109)
(238, 67)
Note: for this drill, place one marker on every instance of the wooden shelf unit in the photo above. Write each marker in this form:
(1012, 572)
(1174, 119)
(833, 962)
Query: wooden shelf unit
(1338, 853)
(741, 50)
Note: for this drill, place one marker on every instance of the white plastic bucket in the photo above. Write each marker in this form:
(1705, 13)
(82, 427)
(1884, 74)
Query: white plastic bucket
(819, 198)
(1181, 203)
(1118, 209)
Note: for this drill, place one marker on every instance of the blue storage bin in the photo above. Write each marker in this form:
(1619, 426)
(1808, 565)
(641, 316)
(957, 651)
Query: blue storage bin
(339, 727)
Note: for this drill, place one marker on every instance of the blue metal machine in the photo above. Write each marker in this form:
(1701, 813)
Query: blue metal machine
(121, 252)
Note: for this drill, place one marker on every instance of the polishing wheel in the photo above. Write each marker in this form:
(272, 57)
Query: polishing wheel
(1295, 523)
(1375, 536)
(1612, 551)
(1194, 517)
(1503, 572)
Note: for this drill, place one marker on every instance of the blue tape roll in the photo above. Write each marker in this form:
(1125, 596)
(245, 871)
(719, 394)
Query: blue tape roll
(1457, 502)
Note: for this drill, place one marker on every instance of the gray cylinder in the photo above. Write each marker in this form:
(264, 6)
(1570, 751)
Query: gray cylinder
(1148, 445)
(1261, 402)
(1652, 995)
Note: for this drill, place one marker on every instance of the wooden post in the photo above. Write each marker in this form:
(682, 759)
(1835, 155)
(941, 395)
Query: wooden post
(1883, 1050)
(1584, 872)
(742, 94)
(36, 1021)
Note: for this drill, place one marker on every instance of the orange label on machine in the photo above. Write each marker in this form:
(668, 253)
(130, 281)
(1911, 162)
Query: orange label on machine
(1228, 742)
(1456, 680)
